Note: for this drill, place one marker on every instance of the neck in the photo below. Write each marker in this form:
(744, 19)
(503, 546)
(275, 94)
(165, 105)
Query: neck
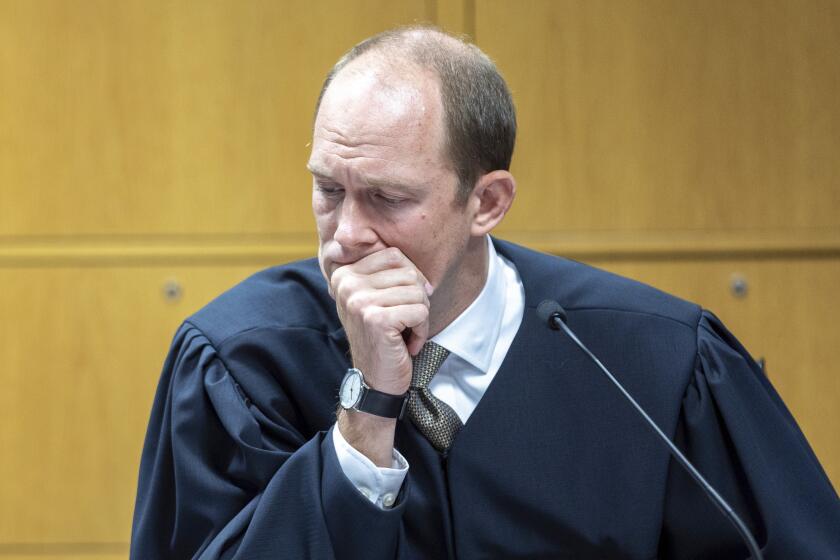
(461, 287)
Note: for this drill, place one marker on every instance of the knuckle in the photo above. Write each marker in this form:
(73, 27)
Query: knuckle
(393, 255)
(371, 317)
(419, 313)
(337, 275)
(337, 279)
(418, 294)
(354, 303)
(347, 287)
(342, 291)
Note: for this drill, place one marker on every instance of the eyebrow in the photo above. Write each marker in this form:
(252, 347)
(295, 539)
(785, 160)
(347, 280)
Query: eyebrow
(317, 170)
(388, 185)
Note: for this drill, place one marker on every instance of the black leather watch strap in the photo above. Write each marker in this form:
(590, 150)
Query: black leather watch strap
(383, 404)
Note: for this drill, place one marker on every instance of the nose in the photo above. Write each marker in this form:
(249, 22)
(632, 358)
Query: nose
(355, 228)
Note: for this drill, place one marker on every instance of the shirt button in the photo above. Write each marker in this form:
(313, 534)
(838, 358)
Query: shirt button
(388, 500)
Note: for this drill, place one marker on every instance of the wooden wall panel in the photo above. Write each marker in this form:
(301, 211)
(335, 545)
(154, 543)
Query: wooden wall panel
(675, 142)
(67, 555)
(662, 115)
(140, 117)
(788, 317)
(82, 351)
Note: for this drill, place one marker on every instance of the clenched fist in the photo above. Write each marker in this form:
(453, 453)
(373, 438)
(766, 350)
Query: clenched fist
(383, 303)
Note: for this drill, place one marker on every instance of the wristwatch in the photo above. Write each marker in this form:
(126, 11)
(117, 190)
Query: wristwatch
(356, 395)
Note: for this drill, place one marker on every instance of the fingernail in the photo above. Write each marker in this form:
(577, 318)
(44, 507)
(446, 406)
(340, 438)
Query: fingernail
(429, 289)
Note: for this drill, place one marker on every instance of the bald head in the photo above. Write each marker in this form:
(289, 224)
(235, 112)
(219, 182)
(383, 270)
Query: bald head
(478, 115)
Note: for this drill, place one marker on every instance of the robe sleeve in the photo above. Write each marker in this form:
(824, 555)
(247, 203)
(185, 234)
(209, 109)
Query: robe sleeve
(738, 433)
(220, 479)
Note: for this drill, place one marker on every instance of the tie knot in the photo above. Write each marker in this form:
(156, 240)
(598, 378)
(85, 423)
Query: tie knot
(426, 364)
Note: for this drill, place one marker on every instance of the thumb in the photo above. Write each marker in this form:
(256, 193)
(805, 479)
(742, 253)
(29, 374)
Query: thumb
(417, 338)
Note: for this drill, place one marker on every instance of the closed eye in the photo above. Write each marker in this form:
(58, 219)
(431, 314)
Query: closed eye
(388, 200)
(329, 189)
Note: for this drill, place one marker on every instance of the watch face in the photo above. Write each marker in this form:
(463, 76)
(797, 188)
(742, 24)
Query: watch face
(351, 388)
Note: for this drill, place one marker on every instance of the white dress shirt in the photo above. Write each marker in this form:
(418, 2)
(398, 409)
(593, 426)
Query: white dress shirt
(478, 341)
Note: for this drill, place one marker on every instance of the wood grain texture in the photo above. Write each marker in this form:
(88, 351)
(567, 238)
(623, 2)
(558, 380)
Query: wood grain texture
(63, 551)
(456, 16)
(167, 117)
(661, 115)
(66, 553)
(82, 351)
(145, 140)
(264, 250)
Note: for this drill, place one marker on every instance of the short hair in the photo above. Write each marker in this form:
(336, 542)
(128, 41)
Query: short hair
(479, 116)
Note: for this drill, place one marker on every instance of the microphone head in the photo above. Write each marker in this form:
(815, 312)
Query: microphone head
(550, 311)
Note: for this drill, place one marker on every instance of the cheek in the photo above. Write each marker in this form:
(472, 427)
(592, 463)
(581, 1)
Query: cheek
(324, 221)
(319, 206)
(427, 243)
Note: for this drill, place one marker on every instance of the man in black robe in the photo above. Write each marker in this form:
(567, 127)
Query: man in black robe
(466, 427)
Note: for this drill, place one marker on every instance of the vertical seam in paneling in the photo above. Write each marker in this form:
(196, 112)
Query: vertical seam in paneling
(469, 19)
(432, 12)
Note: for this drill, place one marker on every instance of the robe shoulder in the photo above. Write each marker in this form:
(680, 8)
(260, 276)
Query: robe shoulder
(293, 295)
(738, 432)
(582, 287)
(277, 339)
(715, 401)
(238, 462)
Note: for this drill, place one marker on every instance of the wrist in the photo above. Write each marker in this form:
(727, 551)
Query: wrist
(371, 435)
(383, 383)
(355, 393)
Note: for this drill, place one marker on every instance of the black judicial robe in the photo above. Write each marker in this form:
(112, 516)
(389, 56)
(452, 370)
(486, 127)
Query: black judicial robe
(553, 463)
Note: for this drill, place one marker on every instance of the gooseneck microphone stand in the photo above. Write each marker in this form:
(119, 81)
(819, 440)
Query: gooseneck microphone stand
(551, 312)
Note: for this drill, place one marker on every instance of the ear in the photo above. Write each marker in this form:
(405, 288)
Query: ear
(490, 199)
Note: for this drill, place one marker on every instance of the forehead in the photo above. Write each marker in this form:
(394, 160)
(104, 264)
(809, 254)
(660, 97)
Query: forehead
(372, 113)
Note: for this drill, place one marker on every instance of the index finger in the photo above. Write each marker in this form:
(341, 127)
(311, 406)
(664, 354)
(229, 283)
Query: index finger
(385, 259)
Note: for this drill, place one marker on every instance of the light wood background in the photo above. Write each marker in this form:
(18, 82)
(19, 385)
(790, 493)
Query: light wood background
(148, 143)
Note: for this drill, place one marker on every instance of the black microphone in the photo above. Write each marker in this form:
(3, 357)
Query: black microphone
(553, 313)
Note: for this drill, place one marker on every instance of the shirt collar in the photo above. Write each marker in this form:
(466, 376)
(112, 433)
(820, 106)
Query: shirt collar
(473, 334)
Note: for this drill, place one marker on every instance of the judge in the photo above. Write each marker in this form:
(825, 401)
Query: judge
(465, 427)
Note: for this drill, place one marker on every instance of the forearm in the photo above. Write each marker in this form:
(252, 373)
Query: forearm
(380, 485)
(373, 436)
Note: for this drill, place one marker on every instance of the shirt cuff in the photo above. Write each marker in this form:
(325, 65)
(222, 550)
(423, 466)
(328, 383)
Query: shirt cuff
(380, 485)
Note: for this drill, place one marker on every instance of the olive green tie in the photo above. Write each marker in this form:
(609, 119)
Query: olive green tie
(433, 417)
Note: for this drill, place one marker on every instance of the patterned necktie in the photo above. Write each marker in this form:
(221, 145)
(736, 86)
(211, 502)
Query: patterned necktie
(432, 416)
